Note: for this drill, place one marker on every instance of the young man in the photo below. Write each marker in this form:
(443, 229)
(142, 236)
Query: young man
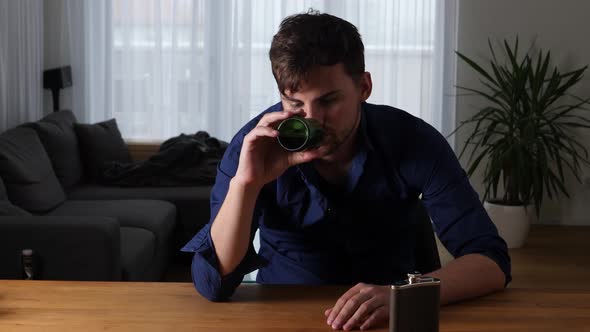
(338, 213)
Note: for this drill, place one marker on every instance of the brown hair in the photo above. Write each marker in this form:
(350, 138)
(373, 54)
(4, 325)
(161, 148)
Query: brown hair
(313, 39)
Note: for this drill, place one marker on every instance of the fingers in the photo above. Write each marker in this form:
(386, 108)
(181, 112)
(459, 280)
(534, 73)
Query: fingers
(271, 118)
(361, 314)
(378, 316)
(354, 304)
(361, 306)
(296, 158)
(266, 128)
(260, 131)
(342, 301)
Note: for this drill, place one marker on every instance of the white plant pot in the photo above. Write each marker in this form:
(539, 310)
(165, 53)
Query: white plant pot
(513, 222)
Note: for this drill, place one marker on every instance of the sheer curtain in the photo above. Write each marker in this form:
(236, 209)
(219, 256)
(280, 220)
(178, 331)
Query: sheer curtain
(163, 67)
(21, 62)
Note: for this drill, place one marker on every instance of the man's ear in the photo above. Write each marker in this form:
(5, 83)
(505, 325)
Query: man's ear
(366, 86)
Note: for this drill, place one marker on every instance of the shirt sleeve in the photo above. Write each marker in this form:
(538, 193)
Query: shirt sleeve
(205, 266)
(460, 221)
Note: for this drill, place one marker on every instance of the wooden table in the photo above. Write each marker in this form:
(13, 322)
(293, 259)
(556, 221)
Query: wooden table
(553, 257)
(550, 292)
(115, 306)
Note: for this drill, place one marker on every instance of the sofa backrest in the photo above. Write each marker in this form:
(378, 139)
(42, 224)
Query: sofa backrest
(27, 172)
(3, 194)
(57, 134)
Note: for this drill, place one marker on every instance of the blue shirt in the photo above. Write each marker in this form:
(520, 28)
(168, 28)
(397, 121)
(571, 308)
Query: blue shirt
(312, 232)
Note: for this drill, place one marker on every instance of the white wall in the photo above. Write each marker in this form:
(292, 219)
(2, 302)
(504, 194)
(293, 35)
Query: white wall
(559, 26)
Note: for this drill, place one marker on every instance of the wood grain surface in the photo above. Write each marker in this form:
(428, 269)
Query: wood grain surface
(550, 292)
(117, 306)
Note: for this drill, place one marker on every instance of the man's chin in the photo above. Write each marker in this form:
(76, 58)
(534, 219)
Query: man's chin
(327, 153)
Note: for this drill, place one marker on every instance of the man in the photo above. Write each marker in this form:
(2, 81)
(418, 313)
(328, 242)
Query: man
(338, 213)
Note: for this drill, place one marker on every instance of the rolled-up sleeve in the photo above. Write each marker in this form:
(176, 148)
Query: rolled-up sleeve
(460, 221)
(205, 265)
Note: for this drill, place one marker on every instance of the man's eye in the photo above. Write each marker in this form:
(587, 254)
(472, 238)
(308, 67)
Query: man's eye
(327, 101)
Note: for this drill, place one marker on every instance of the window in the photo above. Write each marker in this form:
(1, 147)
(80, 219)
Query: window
(183, 66)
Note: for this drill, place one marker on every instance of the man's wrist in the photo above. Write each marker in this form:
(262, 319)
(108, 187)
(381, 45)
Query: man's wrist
(247, 187)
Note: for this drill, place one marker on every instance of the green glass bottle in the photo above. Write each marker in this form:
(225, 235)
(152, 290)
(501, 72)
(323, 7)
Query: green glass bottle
(298, 134)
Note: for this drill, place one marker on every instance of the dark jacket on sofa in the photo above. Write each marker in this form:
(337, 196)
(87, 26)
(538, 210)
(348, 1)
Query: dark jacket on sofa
(185, 160)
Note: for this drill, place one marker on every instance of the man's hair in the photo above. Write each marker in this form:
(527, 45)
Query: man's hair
(307, 40)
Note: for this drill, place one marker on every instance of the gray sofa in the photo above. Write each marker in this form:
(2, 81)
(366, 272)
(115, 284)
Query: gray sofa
(81, 230)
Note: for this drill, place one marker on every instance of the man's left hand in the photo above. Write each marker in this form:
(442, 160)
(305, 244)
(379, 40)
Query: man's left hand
(363, 306)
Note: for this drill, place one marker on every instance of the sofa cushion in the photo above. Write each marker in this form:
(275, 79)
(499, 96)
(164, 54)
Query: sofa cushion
(192, 203)
(138, 247)
(7, 209)
(57, 134)
(27, 172)
(171, 194)
(101, 143)
(156, 216)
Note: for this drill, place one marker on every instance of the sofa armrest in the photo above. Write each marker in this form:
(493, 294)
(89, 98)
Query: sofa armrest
(66, 248)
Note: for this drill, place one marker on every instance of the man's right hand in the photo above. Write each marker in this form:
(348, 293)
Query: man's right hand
(262, 159)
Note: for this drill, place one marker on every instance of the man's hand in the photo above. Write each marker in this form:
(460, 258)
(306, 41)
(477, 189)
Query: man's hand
(363, 306)
(262, 159)
(366, 305)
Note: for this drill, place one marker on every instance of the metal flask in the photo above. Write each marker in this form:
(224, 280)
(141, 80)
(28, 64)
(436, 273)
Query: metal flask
(415, 304)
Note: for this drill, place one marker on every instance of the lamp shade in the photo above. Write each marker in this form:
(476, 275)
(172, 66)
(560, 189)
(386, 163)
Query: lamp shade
(57, 78)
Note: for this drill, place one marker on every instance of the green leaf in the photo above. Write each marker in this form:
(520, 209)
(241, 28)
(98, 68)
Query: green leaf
(524, 135)
(475, 66)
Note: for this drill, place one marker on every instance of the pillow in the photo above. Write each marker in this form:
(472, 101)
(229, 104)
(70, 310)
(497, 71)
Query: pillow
(27, 172)
(7, 209)
(101, 143)
(57, 134)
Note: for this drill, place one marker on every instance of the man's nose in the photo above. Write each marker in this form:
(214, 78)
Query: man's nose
(315, 112)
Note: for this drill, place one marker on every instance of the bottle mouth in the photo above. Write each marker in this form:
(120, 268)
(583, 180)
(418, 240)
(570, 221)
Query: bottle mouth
(296, 136)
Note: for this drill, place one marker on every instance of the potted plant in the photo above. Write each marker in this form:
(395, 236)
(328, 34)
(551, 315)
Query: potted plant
(523, 135)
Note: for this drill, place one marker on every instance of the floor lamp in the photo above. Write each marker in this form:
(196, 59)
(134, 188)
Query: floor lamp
(56, 79)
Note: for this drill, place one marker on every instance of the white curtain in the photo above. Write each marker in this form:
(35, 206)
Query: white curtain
(21, 62)
(163, 67)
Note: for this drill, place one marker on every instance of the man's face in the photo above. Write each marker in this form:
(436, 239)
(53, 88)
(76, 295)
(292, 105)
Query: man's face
(333, 98)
